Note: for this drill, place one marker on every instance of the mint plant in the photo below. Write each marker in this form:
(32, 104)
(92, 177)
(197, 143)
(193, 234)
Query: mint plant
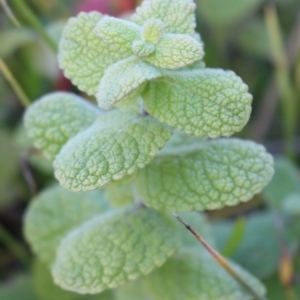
(150, 155)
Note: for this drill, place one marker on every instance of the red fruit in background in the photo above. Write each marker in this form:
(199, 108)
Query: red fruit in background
(110, 7)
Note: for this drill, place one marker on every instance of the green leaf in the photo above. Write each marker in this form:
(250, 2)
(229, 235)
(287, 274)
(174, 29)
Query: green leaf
(235, 238)
(142, 48)
(260, 250)
(222, 13)
(191, 275)
(45, 287)
(47, 290)
(122, 79)
(83, 55)
(175, 51)
(53, 213)
(55, 118)
(291, 204)
(118, 33)
(113, 249)
(204, 102)
(178, 16)
(221, 173)
(285, 182)
(118, 144)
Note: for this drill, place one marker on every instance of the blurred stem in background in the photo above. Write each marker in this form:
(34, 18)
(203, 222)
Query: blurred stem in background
(30, 17)
(14, 84)
(9, 13)
(14, 246)
(287, 93)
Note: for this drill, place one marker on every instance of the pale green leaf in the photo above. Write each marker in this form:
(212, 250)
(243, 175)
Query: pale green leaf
(178, 16)
(118, 144)
(152, 30)
(47, 290)
(122, 79)
(55, 118)
(53, 213)
(220, 173)
(286, 181)
(113, 249)
(260, 249)
(142, 48)
(204, 102)
(191, 275)
(83, 55)
(118, 33)
(174, 51)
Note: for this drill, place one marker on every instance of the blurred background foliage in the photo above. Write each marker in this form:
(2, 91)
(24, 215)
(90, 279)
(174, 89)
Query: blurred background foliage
(258, 39)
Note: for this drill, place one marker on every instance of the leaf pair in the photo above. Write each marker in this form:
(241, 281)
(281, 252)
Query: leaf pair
(206, 175)
(90, 247)
(110, 58)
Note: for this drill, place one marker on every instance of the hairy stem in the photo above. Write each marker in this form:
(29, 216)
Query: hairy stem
(14, 246)
(283, 79)
(221, 261)
(30, 17)
(14, 84)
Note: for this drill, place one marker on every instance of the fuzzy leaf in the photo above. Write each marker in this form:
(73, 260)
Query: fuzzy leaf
(113, 249)
(205, 102)
(152, 30)
(178, 16)
(118, 33)
(122, 78)
(286, 181)
(221, 173)
(47, 290)
(83, 55)
(118, 144)
(53, 213)
(175, 51)
(57, 117)
(191, 275)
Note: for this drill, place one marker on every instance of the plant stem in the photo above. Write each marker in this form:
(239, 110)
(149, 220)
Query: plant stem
(27, 13)
(221, 261)
(15, 247)
(9, 13)
(283, 79)
(14, 84)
